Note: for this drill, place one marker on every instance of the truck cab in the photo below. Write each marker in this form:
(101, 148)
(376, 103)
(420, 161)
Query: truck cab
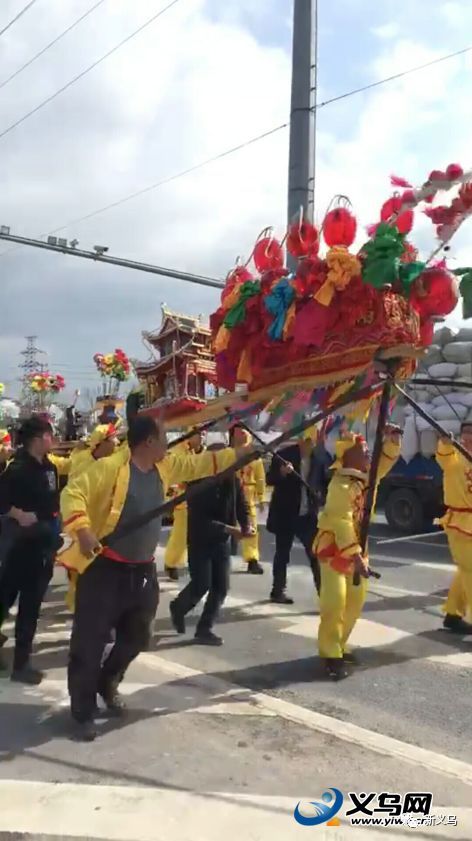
(412, 494)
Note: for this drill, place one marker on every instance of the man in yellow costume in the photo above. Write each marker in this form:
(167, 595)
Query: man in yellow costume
(338, 549)
(100, 444)
(457, 523)
(117, 586)
(253, 483)
(176, 549)
(6, 450)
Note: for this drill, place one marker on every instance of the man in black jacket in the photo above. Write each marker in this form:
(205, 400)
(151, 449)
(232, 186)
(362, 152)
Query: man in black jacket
(29, 501)
(293, 510)
(212, 517)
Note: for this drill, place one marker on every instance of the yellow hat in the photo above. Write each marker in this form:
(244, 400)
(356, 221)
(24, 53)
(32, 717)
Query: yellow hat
(343, 445)
(101, 433)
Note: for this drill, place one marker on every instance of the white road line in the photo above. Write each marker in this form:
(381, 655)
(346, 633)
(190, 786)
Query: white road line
(344, 730)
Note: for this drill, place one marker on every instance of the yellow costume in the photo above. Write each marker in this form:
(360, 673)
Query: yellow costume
(95, 498)
(81, 458)
(253, 482)
(175, 554)
(336, 542)
(457, 523)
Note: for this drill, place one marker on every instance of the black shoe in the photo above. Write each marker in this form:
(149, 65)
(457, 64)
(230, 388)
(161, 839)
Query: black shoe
(83, 731)
(280, 598)
(172, 573)
(208, 638)
(351, 657)
(335, 669)
(255, 568)
(28, 675)
(178, 620)
(3, 639)
(457, 624)
(114, 702)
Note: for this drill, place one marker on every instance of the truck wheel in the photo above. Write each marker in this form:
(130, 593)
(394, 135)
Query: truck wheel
(404, 511)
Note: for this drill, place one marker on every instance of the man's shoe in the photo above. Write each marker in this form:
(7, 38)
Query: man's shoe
(457, 624)
(178, 620)
(28, 675)
(335, 669)
(83, 731)
(351, 657)
(280, 598)
(114, 702)
(208, 638)
(172, 573)
(255, 568)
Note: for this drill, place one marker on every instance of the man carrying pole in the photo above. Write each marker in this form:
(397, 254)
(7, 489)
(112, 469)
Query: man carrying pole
(117, 586)
(457, 523)
(339, 544)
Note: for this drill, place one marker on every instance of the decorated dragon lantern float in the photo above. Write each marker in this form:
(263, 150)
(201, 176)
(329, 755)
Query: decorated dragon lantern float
(341, 306)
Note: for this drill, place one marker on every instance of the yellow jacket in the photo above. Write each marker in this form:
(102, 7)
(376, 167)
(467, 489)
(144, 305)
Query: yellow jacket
(95, 498)
(339, 522)
(457, 484)
(253, 481)
(61, 463)
(176, 490)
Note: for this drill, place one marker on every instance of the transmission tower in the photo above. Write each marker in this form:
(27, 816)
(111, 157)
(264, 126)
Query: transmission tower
(31, 365)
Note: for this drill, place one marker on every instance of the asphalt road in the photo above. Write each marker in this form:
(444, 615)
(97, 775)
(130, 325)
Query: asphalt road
(225, 741)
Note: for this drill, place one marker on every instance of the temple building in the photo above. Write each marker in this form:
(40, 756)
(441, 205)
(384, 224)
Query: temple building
(181, 374)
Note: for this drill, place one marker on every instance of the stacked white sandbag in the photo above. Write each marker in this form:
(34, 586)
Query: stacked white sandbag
(450, 359)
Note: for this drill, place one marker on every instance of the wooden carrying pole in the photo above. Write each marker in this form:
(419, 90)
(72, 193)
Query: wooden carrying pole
(374, 469)
(434, 423)
(204, 484)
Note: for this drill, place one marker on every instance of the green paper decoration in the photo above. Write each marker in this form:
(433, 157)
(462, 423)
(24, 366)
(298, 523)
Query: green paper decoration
(408, 272)
(382, 257)
(237, 313)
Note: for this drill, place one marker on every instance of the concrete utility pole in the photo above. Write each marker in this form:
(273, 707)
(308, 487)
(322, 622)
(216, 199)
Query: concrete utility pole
(301, 168)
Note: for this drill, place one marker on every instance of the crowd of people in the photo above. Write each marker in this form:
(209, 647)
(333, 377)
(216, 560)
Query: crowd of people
(108, 514)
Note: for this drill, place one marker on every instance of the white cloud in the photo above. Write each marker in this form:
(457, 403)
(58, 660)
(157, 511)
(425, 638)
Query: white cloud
(386, 31)
(455, 13)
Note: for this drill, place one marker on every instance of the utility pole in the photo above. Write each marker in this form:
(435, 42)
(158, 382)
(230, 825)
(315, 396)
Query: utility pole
(31, 365)
(301, 168)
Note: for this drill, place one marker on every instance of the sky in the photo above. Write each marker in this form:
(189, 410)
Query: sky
(204, 77)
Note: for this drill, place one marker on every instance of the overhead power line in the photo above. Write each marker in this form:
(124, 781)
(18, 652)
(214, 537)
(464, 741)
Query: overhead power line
(182, 173)
(51, 44)
(395, 76)
(150, 187)
(87, 70)
(17, 17)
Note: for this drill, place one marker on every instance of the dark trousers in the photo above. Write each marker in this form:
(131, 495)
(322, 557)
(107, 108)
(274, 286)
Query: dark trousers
(305, 529)
(209, 568)
(110, 595)
(25, 576)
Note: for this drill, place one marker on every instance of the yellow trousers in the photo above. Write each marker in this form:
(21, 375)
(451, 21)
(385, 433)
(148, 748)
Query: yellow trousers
(341, 605)
(175, 555)
(459, 598)
(250, 545)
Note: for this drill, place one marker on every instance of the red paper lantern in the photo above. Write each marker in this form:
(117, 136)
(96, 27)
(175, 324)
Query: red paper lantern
(303, 239)
(404, 221)
(268, 254)
(339, 227)
(454, 171)
(435, 293)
